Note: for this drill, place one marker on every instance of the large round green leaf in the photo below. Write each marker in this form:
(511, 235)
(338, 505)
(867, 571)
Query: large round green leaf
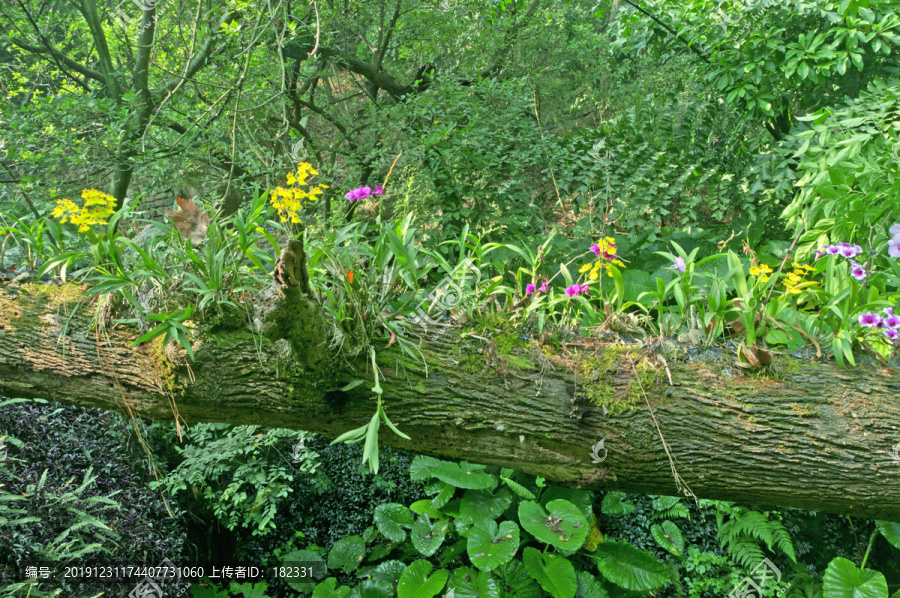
(464, 475)
(613, 504)
(329, 589)
(423, 507)
(490, 546)
(668, 536)
(589, 587)
(583, 499)
(890, 530)
(843, 580)
(555, 573)
(373, 589)
(389, 571)
(562, 525)
(418, 582)
(422, 467)
(347, 553)
(391, 518)
(427, 537)
(516, 579)
(483, 504)
(630, 568)
(469, 583)
(443, 491)
(379, 551)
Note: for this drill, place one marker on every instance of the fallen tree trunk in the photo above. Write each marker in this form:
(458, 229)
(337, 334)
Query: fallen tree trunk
(818, 438)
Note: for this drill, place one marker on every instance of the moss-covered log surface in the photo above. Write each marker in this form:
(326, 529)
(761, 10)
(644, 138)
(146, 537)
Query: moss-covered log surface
(809, 435)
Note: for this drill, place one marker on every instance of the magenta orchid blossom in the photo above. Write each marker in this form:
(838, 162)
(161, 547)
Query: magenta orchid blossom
(576, 289)
(869, 320)
(544, 287)
(363, 192)
(529, 289)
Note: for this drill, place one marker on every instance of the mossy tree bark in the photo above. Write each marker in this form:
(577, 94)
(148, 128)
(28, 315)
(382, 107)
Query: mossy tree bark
(820, 438)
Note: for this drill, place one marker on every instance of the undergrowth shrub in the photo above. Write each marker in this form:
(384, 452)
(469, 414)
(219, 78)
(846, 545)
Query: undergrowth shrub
(80, 472)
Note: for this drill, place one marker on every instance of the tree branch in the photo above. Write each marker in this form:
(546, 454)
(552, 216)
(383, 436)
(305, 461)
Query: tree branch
(730, 438)
(669, 29)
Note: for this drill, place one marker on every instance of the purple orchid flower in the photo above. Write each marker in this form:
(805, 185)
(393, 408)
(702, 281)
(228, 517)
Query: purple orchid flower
(894, 246)
(869, 320)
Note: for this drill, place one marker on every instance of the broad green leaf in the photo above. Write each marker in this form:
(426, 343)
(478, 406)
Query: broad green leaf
(373, 589)
(391, 518)
(516, 578)
(445, 493)
(329, 589)
(347, 553)
(418, 582)
(427, 537)
(464, 475)
(843, 580)
(469, 583)
(423, 467)
(561, 525)
(379, 551)
(389, 571)
(613, 504)
(423, 507)
(668, 536)
(890, 530)
(489, 546)
(589, 587)
(583, 499)
(481, 504)
(630, 568)
(555, 573)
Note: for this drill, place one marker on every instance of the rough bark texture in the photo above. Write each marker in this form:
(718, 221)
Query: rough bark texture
(820, 438)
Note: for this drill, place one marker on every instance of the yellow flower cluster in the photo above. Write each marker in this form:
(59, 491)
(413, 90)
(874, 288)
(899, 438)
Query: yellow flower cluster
(761, 271)
(290, 201)
(606, 252)
(98, 206)
(793, 281)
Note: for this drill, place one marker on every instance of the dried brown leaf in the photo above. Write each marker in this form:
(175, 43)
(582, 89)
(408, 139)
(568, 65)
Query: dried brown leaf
(190, 221)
